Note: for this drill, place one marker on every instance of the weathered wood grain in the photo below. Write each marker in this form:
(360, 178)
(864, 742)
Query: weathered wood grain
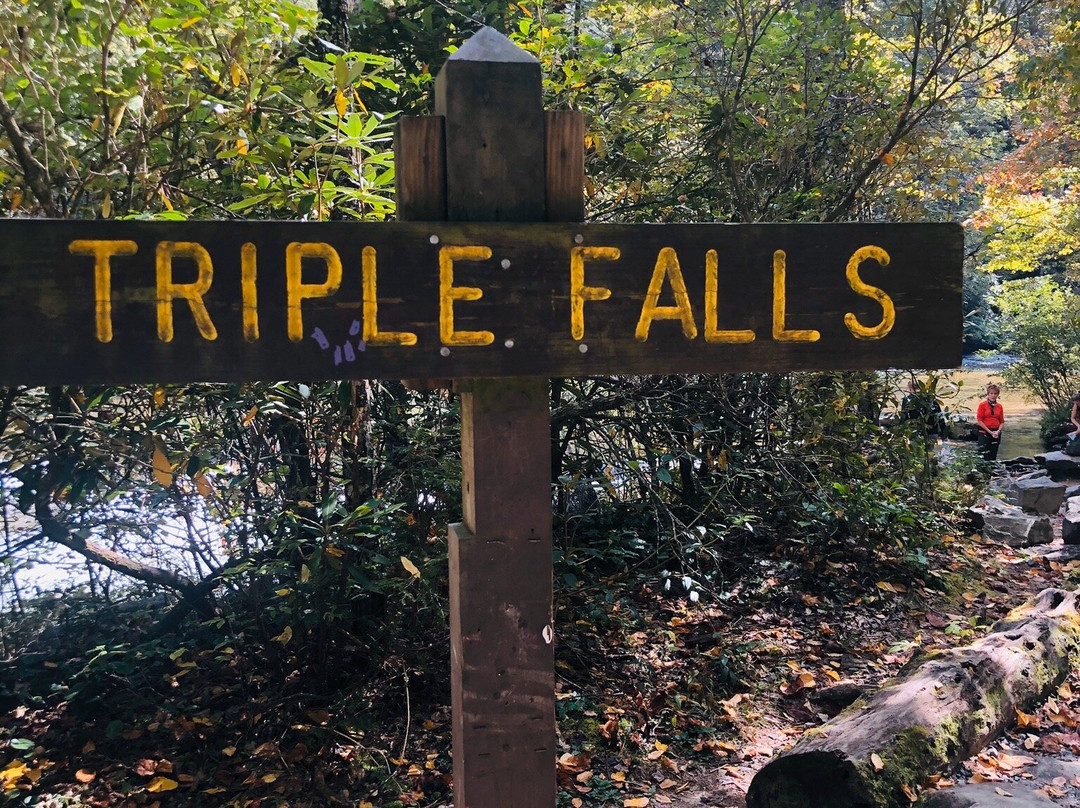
(420, 169)
(48, 312)
(878, 752)
(502, 649)
(564, 149)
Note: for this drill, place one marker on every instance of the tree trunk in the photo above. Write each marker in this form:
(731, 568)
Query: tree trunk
(878, 752)
(334, 23)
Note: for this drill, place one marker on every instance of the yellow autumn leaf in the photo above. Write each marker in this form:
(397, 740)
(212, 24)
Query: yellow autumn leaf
(202, 485)
(251, 415)
(118, 118)
(636, 802)
(159, 395)
(284, 636)
(341, 103)
(85, 776)
(269, 778)
(879, 764)
(305, 573)
(242, 145)
(163, 470)
(237, 75)
(162, 784)
(16, 198)
(410, 567)
(13, 772)
(229, 751)
(106, 206)
(165, 199)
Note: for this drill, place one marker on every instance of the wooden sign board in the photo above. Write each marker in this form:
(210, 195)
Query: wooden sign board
(115, 302)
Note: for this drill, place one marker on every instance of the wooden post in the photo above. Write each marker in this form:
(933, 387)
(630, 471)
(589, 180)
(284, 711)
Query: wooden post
(503, 159)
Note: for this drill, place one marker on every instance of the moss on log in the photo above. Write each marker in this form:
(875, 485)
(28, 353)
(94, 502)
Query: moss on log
(878, 752)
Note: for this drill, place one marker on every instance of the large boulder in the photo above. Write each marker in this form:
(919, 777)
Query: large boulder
(1008, 524)
(1059, 464)
(1036, 494)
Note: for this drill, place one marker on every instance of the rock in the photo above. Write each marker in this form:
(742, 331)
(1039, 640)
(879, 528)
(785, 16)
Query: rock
(1036, 473)
(1070, 523)
(1022, 464)
(1027, 793)
(1008, 524)
(1063, 554)
(1059, 464)
(1036, 494)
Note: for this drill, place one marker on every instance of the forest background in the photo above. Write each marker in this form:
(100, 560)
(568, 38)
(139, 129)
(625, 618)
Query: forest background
(284, 544)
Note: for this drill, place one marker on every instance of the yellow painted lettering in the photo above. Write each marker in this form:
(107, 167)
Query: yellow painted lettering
(579, 292)
(102, 251)
(249, 292)
(888, 310)
(448, 293)
(712, 294)
(372, 335)
(297, 290)
(779, 332)
(667, 266)
(167, 291)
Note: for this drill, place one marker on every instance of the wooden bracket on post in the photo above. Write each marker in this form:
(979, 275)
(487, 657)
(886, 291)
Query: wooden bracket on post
(420, 185)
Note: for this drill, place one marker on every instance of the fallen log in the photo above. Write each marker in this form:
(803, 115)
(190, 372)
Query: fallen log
(878, 752)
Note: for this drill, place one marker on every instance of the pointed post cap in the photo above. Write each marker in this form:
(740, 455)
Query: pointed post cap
(488, 45)
(490, 94)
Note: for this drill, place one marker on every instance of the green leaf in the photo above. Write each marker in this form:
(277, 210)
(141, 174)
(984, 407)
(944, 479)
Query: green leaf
(341, 73)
